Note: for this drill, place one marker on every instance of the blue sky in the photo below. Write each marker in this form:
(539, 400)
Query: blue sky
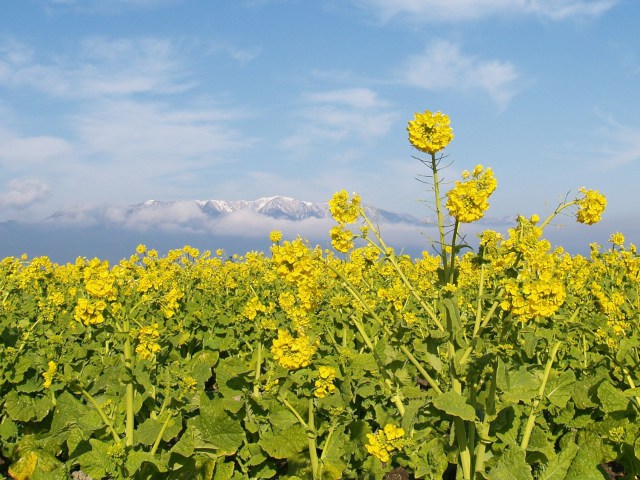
(121, 101)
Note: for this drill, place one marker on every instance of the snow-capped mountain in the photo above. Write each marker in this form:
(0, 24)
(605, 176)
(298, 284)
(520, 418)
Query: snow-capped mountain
(203, 211)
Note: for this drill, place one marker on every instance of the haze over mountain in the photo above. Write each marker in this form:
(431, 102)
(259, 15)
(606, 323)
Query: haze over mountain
(112, 232)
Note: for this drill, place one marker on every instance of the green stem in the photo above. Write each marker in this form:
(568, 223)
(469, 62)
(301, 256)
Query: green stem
(161, 433)
(391, 258)
(532, 416)
(450, 275)
(632, 385)
(311, 435)
(297, 415)
(367, 340)
(490, 411)
(436, 191)
(556, 212)
(103, 416)
(256, 379)
(128, 365)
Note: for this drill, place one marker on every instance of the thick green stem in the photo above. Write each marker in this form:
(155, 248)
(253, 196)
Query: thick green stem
(450, 274)
(103, 416)
(128, 365)
(532, 416)
(256, 379)
(311, 435)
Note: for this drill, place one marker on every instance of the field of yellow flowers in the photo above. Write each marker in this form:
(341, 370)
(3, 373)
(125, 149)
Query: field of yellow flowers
(515, 361)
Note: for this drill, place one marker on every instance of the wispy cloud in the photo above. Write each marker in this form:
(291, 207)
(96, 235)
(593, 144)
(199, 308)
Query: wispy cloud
(109, 7)
(443, 66)
(22, 193)
(26, 152)
(625, 145)
(333, 116)
(466, 10)
(102, 66)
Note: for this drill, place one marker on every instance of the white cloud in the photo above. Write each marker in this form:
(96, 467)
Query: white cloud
(339, 115)
(101, 67)
(442, 66)
(626, 145)
(353, 97)
(25, 152)
(466, 10)
(110, 6)
(160, 137)
(21, 194)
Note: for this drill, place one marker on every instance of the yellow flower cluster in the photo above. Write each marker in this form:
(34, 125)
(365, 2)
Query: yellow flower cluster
(591, 206)
(324, 384)
(89, 313)
(343, 210)
(52, 368)
(537, 298)
(292, 353)
(468, 200)
(147, 341)
(617, 239)
(384, 442)
(430, 132)
(275, 236)
(341, 238)
(169, 302)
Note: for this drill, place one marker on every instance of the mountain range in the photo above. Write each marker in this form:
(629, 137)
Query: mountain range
(113, 231)
(197, 212)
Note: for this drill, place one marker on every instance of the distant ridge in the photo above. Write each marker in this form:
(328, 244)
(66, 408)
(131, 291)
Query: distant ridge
(198, 211)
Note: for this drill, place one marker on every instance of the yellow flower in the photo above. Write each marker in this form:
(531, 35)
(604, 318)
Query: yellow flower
(384, 442)
(344, 210)
(292, 353)
(430, 132)
(468, 200)
(89, 313)
(617, 239)
(324, 384)
(341, 238)
(591, 206)
(275, 236)
(49, 374)
(148, 346)
(141, 249)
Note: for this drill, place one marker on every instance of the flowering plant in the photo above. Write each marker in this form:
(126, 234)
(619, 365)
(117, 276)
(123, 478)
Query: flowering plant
(514, 360)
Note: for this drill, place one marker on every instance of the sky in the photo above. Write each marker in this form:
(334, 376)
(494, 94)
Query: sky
(121, 101)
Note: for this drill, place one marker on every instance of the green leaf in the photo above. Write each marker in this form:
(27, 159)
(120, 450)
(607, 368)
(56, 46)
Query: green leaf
(8, 429)
(135, 459)
(217, 429)
(23, 408)
(148, 431)
(585, 463)
(430, 460)
(96, 462)
(518, 385)
(286, 443)
(558, 467)
(559, 388)
(455, 405)
(512, 465)
(612, 399)
(231, 377)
